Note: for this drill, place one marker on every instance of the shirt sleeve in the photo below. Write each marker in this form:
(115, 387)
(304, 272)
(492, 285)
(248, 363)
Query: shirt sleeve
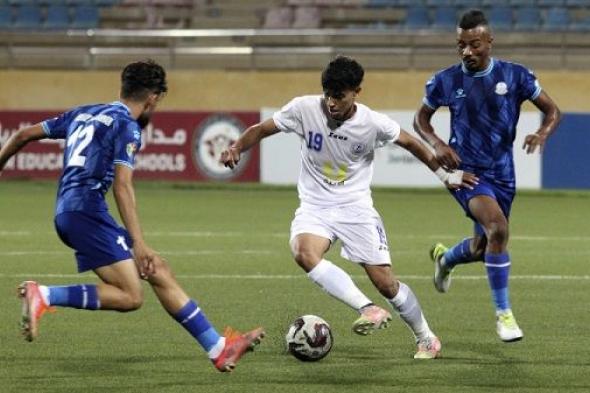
(435, 94)
(57, 127)
(529, 87)
(388, 130)
(127, 144)
(289, 118)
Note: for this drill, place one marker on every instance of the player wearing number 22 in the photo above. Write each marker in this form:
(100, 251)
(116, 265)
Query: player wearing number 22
(101, 144)
(339, 138)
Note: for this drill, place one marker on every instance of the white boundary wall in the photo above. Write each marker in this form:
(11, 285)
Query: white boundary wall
(280, 159)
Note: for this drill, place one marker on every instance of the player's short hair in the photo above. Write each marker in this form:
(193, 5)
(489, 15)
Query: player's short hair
(342, 73)
(471, 19)
(142, 78)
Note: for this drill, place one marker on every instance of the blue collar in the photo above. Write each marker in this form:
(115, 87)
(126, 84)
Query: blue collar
(479, 74)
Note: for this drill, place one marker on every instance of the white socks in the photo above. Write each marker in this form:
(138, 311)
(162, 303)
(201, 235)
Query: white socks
(217, 349)
(406, 305)
(338, 283)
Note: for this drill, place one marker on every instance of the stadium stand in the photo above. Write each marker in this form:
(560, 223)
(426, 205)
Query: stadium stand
(253, 33)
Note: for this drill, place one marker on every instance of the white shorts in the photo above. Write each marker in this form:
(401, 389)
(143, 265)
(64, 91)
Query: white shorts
(359, 228)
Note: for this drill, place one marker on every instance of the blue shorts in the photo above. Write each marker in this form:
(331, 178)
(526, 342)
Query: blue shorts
(95, 236)
(503, 194)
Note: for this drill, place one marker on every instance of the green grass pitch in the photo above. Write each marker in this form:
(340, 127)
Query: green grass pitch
(229, 248)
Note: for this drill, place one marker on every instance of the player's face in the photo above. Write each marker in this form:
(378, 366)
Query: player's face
(340, 104)
(474, 47)
(149, 108)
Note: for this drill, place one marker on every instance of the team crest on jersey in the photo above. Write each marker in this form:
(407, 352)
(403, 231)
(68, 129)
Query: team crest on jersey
(501, 88)
(460, 93)
(131, 149)
(358, 149)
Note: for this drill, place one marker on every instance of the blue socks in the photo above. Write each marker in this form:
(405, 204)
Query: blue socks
(498, 268)
(76, 296)
(194, 321)
(458, 254)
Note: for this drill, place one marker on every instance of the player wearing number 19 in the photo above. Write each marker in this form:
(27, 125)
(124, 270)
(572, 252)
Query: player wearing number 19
(339, 138)
(101, 143)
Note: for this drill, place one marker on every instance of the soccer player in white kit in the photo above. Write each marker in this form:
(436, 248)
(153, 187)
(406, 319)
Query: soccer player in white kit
(339, 137)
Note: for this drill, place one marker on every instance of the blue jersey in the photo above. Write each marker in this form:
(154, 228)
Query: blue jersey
(485, 107)
(97, 137)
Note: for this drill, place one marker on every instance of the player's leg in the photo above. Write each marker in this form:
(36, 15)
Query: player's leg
(308, 250)
(406, 305)
(466, 251)
(491, 217)
(224, 351)
(100, 245)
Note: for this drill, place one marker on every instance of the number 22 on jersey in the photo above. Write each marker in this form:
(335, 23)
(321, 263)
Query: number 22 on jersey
(77, 142)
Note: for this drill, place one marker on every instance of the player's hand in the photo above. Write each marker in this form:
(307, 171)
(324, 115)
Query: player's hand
(145, 259)
(446, 157)
(230, 157)
(532, 141)
(461, 179)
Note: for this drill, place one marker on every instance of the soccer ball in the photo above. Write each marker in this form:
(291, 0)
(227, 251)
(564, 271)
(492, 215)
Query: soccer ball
(309, 338)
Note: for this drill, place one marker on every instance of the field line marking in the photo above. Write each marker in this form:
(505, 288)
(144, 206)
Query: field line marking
(285, 235)
(531, 277)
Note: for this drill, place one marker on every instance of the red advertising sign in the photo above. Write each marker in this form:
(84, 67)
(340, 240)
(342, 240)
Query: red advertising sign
(175, 146)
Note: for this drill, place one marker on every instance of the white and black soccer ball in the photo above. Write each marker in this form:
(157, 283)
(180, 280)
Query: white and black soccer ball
(309, 338)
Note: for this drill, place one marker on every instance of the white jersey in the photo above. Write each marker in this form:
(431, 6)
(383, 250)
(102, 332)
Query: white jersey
(337, 162)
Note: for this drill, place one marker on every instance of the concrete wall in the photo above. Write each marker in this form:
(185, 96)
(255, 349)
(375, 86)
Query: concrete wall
(235, 90)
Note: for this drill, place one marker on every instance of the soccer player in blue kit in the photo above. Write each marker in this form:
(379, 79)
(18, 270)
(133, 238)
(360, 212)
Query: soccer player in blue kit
(484, 96)
(101, 142)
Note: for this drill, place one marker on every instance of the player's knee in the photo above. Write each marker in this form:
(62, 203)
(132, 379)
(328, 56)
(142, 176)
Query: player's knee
(498, 232)
(305, 258)
(133, 300)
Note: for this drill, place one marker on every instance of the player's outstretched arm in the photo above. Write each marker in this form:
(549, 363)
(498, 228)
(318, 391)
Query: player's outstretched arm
(125, 198)
(446, 156)
(19, 140)
(548, 126)
(253, 135)
(452, 180)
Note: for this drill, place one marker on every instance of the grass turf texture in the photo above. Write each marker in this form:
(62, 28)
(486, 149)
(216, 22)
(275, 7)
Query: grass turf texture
(229, 248)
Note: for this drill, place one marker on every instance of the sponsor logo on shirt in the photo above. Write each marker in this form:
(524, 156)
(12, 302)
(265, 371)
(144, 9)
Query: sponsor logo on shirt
(332, 134)
(501, 88)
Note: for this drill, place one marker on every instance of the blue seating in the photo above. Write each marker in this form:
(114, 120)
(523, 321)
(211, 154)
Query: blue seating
(523, 3)
(468, 3)
(28, 17)
(528, 19)
(417, 18)
(577, 3)
(80, 2)
(501, 18)
(581, 25)
(440, 3)
(23, 2)
(85, 17)
(58, 17)
(557, 19)
(550, 3)
(5, 17)
(445, 18)
(495, 3)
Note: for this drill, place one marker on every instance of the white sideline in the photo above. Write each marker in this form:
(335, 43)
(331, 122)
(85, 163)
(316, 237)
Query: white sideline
(532, 277)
